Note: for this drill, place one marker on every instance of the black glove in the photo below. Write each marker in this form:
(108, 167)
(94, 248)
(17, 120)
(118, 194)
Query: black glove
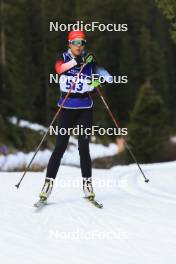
(79, 60)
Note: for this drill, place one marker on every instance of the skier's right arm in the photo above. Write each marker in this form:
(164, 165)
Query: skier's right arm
(61, 67)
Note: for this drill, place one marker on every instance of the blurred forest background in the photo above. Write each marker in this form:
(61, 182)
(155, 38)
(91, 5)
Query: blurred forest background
(146, 53)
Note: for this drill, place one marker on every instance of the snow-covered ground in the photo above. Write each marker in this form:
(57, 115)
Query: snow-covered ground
(136, 226)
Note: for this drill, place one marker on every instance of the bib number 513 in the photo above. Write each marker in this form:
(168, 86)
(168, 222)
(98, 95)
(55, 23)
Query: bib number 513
(78, 86)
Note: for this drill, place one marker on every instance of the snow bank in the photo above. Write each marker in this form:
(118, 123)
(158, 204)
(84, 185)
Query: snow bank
(27, 124)
(19, 160)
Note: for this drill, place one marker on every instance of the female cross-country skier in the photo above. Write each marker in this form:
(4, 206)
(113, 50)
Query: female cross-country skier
(77, 109)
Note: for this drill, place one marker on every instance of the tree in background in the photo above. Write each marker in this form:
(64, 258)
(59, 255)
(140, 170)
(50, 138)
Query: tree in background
(169, 9)
(148, 129)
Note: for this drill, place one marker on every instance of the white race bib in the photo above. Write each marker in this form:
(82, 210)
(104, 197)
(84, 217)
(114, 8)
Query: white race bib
(82, 84)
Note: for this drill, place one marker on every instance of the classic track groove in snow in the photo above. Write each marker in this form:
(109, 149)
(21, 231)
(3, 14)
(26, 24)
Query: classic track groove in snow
(136, 226)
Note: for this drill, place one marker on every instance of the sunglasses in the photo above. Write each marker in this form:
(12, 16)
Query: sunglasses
(77, 42)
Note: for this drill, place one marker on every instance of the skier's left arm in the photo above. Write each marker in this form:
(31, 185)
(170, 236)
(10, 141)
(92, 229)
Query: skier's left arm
(100, 76)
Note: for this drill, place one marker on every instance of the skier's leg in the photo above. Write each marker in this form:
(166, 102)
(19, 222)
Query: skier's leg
(65, 121)
(86, 120)
(53, 165)
(55, 159)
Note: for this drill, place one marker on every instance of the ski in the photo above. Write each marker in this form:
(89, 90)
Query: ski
(94, 202)
(40, 204)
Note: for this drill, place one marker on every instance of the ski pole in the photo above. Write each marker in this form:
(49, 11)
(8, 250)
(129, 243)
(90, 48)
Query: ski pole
(46, 133)
(117, 126)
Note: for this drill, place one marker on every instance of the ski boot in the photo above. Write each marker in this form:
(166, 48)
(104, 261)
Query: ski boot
(88, 189)
(46, 190)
